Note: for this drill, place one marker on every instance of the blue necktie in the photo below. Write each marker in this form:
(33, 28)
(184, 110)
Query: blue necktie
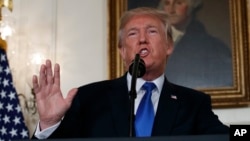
(145, 113)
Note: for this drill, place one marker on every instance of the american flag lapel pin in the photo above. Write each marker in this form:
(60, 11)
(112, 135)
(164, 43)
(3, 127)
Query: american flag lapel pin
(174, 97)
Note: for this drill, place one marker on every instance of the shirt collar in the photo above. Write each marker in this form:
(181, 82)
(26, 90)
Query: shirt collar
(139, 82)
(177, 34)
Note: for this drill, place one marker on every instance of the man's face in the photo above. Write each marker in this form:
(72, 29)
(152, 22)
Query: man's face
(145, 35)
(177, 11)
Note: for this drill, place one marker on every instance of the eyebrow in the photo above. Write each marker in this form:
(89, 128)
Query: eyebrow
(147, 27)
(131, 29)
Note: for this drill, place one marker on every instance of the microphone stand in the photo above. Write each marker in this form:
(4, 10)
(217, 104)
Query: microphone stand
(133, 94)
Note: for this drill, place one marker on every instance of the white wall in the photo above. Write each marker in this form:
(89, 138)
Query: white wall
(81, 41)
(234, 115)
(74, 34)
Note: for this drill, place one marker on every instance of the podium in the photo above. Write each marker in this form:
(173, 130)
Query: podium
(164, 138)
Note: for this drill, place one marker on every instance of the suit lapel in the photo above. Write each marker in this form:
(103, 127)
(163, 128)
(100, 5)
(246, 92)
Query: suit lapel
(166, 111)
(165, 115)
(120, 106)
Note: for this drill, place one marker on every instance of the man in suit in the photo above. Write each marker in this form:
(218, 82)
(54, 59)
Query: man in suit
(199, 60)
(101, 109)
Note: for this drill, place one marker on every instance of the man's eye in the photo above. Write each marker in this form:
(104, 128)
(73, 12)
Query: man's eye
(131, 34)
(152, 31)
(179, 2)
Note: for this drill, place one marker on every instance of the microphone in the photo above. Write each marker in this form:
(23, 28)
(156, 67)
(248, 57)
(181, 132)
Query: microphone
(137, 67)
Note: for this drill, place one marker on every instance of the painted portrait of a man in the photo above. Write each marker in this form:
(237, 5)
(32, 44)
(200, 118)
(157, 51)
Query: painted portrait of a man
(200, 59)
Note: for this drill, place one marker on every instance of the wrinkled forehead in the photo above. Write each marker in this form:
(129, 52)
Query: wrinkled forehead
(144, 17)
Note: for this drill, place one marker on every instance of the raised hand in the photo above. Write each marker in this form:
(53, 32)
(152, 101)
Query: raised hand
(50, 101)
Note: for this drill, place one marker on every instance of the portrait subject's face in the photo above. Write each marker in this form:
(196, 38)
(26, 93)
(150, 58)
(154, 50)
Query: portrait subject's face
(145, 35)
(177, 11)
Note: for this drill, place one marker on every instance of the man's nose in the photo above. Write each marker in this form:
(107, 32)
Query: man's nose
(143, 39)
(171, 8)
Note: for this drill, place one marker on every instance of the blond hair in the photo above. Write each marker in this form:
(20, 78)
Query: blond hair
(161, 15)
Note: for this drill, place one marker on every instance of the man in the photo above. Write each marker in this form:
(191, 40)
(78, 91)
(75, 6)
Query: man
(101, 109)
(199, 60)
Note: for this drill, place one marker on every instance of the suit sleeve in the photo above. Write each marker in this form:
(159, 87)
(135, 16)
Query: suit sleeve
(208, 122)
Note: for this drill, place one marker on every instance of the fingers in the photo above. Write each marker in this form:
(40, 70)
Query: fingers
(35, 84)
(49, 75)
(46, 74)
(42, 75)
(47, 78)
(57, 74)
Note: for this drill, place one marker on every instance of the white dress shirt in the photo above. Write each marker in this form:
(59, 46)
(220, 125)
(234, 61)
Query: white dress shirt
(140, 93)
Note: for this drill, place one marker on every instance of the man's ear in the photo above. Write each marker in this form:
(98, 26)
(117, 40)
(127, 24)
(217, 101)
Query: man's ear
(170, 47)
(122, 51)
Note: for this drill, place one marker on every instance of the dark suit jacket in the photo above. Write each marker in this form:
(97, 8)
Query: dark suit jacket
(102, 110)
(200, 60)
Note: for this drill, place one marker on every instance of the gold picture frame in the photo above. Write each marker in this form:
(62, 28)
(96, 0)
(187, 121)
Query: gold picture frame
(237, 95)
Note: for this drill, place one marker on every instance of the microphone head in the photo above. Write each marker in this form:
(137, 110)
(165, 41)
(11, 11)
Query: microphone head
(141, 68)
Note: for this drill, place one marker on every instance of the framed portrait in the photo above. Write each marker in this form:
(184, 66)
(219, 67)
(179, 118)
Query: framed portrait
(224, 74)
